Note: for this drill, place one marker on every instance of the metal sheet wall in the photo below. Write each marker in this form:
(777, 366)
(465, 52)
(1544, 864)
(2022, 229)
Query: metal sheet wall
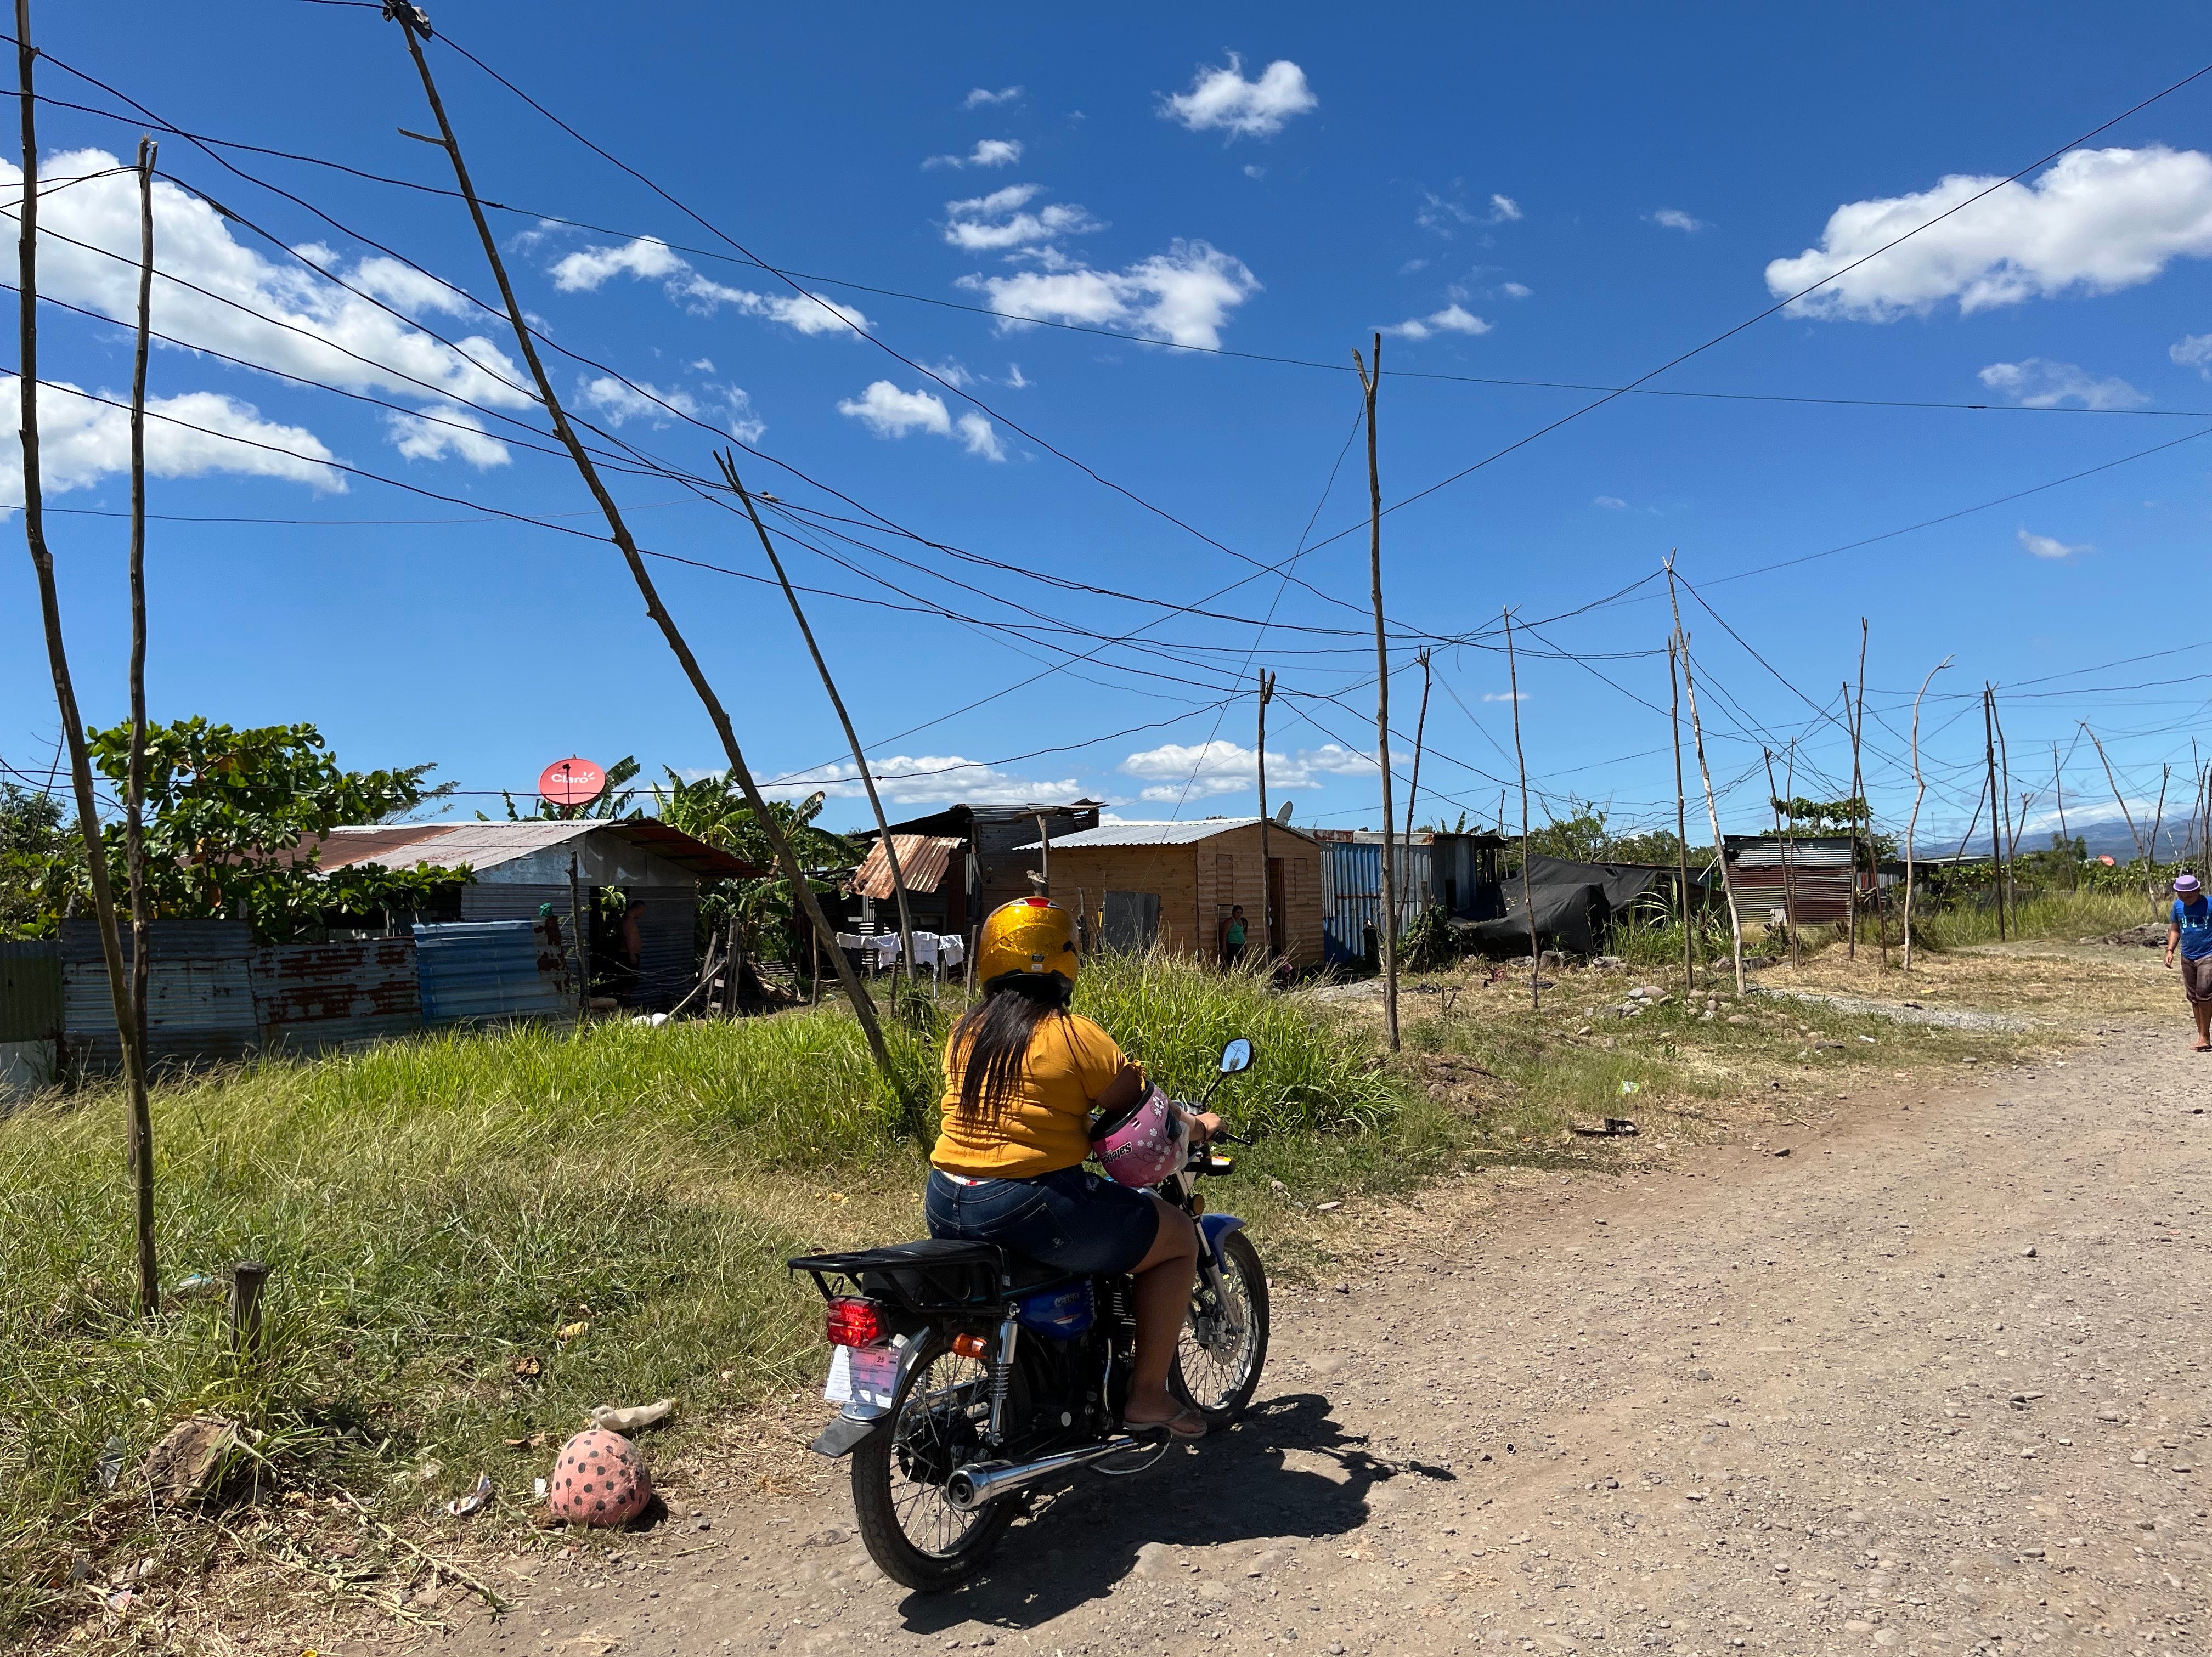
(308, 996)
(30, 990)
(197, 1011)
(489, 969)
(1352, 893)
(668, 964)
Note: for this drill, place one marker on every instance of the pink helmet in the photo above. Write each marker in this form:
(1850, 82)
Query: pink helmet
(1142, 1145)
(599, 1479)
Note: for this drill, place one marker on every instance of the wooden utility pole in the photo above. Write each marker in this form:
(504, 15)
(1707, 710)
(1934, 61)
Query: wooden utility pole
(1996, 804)
(1681, 821)
(1912, 824)
(1369, 382)
(72, 723)
(1414, 786)
(134, 804)
(728, 463)
(1519, 759)
(413, 27)
(1267, 886)
(1705, 773)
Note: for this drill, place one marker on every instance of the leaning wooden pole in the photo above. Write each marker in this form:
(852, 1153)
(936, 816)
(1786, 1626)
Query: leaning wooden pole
(50, 609)
(1413, 784)
(1706, 774)
(1866, 814)
(134, 803)
(2012, 831)
(1388, 932)
(1912, 823)
(728, 463)
(1681, 823)
(1521, 763)
(2128, 816)
(1267, 886)
(415, 27)
(1996, 806)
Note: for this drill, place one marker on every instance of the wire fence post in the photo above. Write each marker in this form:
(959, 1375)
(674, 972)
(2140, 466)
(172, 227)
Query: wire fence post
(1388, 932)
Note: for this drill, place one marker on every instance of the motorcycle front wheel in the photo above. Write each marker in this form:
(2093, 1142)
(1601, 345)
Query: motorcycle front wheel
(1224, 1343)
(916, 1537)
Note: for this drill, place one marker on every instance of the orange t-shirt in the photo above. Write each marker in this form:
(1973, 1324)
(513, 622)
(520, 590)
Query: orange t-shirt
(1044, 1124)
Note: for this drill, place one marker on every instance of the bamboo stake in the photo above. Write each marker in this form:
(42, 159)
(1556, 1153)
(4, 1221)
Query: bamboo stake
(2012, 833)
(2065, 839)
(1267, 888)
(1912, 824)
(134, 805)
(42, 564)
(1369, 383)
(1414, 787)
(1996, 804)
(1705, 773)
(1528, 897)
(413, 27)
(2126, 813)
(1858, 791)
(728, 463)
(1681, 824)
(2157, 822)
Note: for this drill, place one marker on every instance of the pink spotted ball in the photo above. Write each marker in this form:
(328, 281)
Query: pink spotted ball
(600, 1480)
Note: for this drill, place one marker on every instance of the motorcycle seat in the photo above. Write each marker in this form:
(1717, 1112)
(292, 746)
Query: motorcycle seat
(937, 1271)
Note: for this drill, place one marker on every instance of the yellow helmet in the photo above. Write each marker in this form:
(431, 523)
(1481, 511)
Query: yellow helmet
(1031, 937)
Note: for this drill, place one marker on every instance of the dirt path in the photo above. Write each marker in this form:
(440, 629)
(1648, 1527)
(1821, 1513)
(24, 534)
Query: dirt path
(1931, 1382)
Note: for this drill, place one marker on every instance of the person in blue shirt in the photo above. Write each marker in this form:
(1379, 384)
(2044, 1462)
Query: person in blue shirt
(2191, 932)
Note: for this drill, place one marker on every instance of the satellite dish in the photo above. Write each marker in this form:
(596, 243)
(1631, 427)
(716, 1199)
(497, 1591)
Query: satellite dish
(1283, 812)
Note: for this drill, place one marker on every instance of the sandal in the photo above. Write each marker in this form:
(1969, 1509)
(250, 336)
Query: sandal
(1185, 1423)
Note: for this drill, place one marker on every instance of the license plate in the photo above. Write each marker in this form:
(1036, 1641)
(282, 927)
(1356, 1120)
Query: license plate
(863, 1375)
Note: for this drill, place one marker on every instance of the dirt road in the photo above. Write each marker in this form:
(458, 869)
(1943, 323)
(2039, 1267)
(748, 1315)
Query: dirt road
(1932, 1381)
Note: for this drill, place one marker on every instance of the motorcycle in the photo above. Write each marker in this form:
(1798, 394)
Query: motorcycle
(973, 1379)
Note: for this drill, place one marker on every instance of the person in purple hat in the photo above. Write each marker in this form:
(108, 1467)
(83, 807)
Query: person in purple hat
(2191, 931)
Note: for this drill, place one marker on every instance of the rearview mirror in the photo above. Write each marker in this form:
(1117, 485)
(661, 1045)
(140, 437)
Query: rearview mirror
(1236, 1056)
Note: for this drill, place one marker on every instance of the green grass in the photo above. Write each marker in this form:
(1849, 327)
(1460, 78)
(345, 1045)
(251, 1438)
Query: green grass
(435, 1210)
(2066, 917)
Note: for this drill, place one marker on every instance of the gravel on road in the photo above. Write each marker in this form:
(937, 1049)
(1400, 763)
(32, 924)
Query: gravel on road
(1930, 1383)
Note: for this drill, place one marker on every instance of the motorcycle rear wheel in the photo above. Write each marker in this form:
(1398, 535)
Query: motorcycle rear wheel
(1217, 1369)
(916, 1537)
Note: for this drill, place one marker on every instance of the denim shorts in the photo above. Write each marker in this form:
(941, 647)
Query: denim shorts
(1072, 1218)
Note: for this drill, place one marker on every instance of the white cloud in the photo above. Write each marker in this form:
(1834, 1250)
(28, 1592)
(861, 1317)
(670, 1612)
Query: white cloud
(1228, 767)
(1223, 98)
(2098, 220)
(982, 95)
(988, 152)
(1183, 295)
(281, 317)
(1506, 695)
(649, 259)
(1673, 218)
(1254, 171)
(2039, 383)
(1504, 210)
(997, 223)
(446, 428)
(924, 779)
(617, 403)
(2047, 546)
(1452, 319)
(2194, 351)
(887, 411)
(1516, 290)
(1439, 214)
(81, 441)
(1015, 378)
(704, 365)
(1610, 502)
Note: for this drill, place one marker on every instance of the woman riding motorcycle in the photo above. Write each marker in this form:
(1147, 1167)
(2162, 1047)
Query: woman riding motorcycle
(1023, 1076)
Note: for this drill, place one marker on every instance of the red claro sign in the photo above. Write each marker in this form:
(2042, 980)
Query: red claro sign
(572, 782)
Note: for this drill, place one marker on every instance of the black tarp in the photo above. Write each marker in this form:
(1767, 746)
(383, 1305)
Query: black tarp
(1575, 904)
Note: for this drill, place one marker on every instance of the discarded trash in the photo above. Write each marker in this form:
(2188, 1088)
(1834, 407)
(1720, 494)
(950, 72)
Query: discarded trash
(599, 1479)
(189, 1460)
(635, 1419)
(538, 1487)
(121, 1601)
(568, 1331)
(111, 1461)
(462, 1507)
(651, 1021)
(1323, 1208)
(1627, 1088)
(1616, 1127)
(198, 1286)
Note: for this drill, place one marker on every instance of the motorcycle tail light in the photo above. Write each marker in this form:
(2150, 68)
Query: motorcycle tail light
(857, 1322)
(970, 1346)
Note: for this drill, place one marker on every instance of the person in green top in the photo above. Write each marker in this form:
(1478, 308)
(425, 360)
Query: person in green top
(1232, 937)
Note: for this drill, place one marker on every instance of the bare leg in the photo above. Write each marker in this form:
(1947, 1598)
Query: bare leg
(2203, 1011)
(1163, 1281)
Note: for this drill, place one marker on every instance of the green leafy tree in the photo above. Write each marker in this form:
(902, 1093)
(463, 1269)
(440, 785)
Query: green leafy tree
(232, 816)
(41, 861)
(714, 810)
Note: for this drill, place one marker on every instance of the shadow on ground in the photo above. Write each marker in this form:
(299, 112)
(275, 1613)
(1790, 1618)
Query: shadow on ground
(1076, 1546)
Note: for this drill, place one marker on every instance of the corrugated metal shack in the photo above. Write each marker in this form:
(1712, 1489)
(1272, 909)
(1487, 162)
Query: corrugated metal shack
(518, 867)
(1819, 878)
(311, 996)
(30, 1015)
(1174, 884)
(199, 993)
(1456, 871)
(968, 860)
(473, 971)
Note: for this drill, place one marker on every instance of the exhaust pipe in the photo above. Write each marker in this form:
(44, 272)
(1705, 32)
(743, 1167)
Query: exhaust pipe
(971, 1486)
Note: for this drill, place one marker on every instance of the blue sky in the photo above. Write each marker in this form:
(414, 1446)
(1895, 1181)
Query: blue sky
(1557, 196)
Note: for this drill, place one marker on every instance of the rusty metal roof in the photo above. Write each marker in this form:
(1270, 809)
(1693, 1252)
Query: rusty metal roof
(923, 860)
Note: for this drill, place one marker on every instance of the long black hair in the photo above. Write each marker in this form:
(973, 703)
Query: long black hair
(993, 1041)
